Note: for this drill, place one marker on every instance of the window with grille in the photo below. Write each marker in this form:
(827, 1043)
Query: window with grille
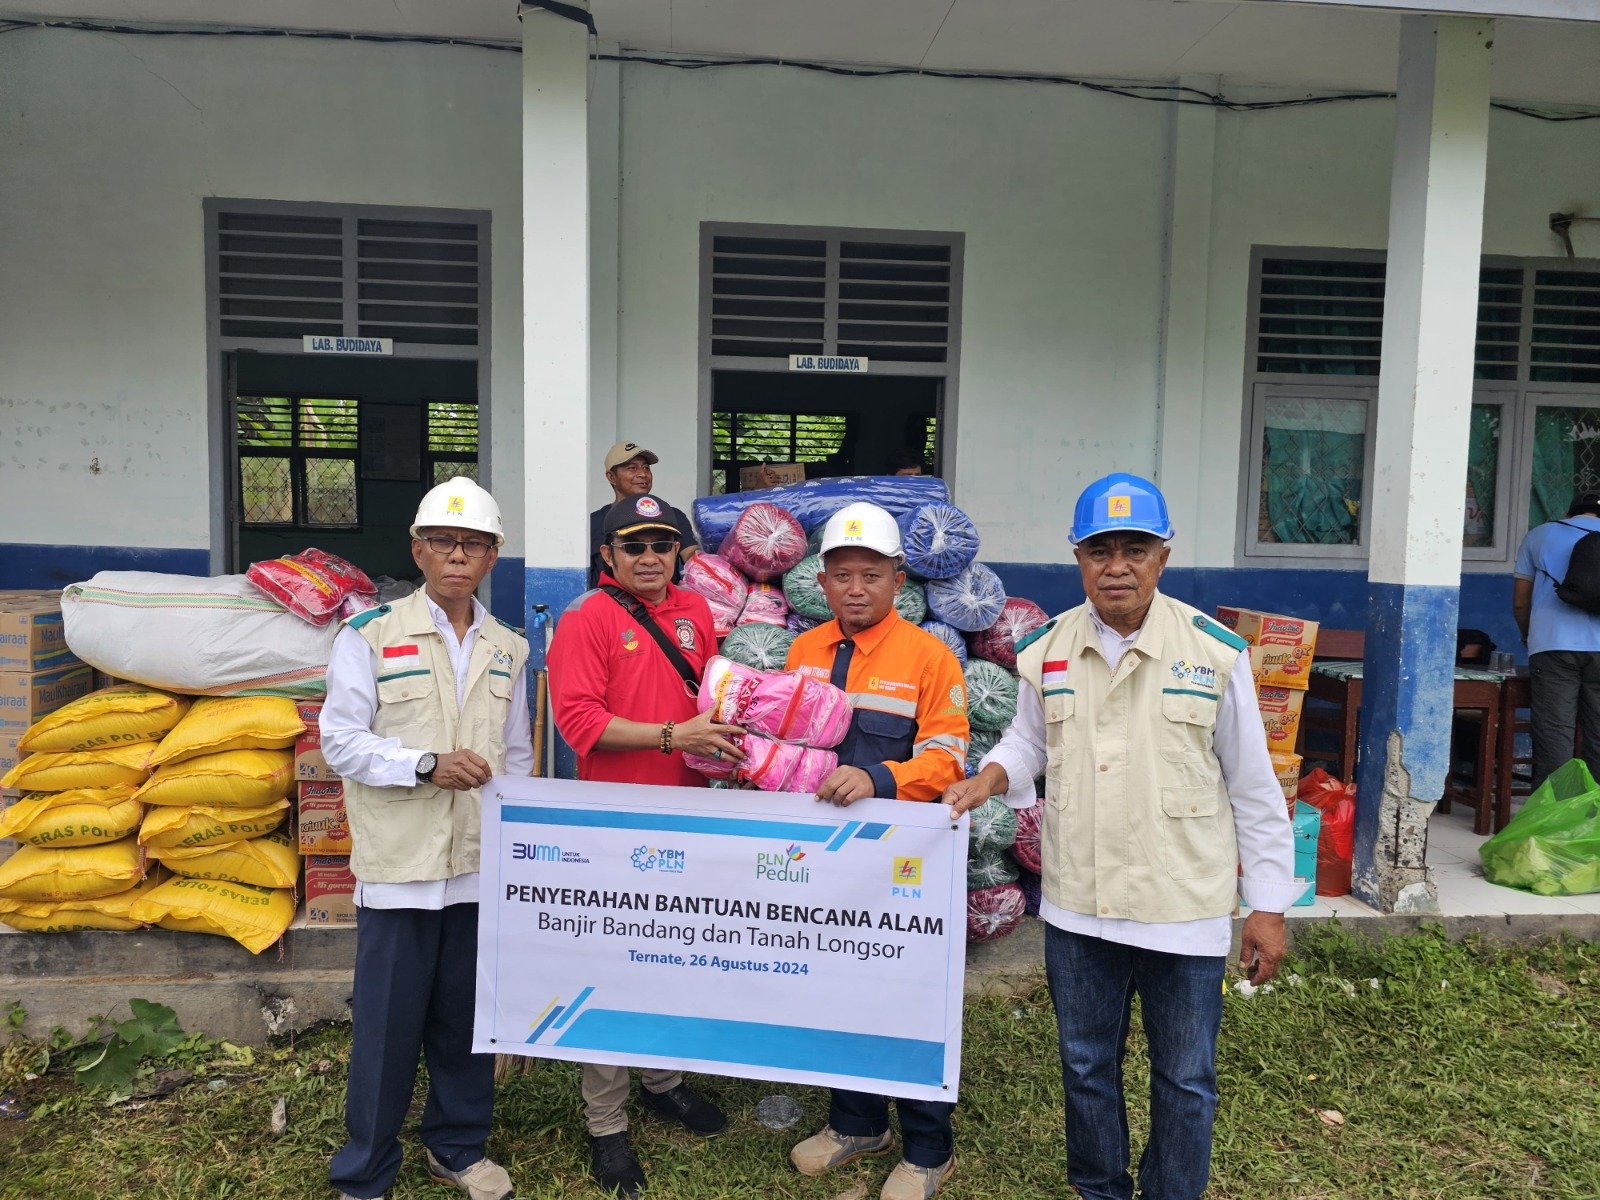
(742, 439)
(451, 447)
(297, 462)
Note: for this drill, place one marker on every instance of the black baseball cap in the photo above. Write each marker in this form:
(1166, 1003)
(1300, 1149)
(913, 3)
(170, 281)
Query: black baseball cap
(1588, 502)
(638, 514)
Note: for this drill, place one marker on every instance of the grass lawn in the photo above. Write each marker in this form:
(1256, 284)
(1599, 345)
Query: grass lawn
(1457, 1070)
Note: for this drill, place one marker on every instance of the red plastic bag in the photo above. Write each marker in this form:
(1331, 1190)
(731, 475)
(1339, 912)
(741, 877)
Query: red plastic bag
(313, 584)
(1336, 843)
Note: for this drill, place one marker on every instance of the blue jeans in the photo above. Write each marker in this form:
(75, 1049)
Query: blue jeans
(926, 1135)
(1092, 984)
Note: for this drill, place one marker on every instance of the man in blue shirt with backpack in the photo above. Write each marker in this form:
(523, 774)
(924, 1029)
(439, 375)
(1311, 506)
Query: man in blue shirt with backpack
(1556, 601)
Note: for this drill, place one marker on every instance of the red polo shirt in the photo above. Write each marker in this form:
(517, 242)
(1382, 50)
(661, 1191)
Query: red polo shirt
(602, 665)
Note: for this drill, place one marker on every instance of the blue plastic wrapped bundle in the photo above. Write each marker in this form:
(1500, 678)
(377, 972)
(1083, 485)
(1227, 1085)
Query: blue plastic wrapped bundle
(912, 602)
(764, 647)
(991, 694)
(939, 540)
(814, 501)
(798, 623)
(993, 828)
(950, 636)
(979, 743)
(804, 592)
(969, 601)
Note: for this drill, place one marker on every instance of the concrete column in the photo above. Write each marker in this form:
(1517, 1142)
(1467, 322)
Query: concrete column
(1424, 402)
(1191, 159)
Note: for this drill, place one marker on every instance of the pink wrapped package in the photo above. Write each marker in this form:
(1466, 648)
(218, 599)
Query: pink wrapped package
(764, 543)
(778, 705)
(993, 912)
(1026, 848)
(770, 766)
(767, 605)
(724, 589)
(998, 643)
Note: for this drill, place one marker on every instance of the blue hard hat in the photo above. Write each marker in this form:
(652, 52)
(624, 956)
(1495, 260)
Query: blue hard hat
(1120, 502)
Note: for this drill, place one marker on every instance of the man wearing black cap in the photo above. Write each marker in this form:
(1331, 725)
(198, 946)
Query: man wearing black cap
(628, 472)
(1563, 639)
(621, 667)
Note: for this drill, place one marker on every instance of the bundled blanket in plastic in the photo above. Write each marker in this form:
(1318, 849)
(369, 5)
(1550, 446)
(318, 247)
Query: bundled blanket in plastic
(1032, 891)
(911, 602)
(724, 589)
(764, 647)
(993, 912)
(950, 636)
(939, 540)
(764, 542)
(998, 643)
(969, 601)
(779, 705)
(991, 695)
(803, 591)
(990, 868)
(798, 622)
(993, 827)
(767, 604)
(1026, 847)
(979, 743)
(814, 501)
(1552, 846)
(203, 636)
(769, 765)
(314, 585)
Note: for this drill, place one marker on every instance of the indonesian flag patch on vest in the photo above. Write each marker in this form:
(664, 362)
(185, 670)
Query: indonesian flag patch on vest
(399, 658)
(1054, 674)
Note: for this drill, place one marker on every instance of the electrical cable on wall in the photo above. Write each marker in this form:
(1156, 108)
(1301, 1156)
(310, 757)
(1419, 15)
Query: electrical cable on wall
(1161, 93)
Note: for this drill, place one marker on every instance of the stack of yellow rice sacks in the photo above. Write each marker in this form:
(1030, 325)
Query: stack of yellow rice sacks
(146, 808)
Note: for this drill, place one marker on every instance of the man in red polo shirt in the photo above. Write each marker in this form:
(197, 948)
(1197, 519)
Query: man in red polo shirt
(627, 708)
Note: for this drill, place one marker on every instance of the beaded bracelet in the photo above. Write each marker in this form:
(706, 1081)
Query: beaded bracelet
(666, 738)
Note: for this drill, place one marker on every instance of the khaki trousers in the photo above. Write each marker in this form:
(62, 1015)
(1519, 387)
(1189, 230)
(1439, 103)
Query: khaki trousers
(605, 1091)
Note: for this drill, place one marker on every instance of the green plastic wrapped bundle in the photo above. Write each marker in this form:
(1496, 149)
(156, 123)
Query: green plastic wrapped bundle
(993, 827)
(979, 743)
(991, 695)
(764, 647)
(804, 592)
(1552, 846)
(911, 602)
(990, 869)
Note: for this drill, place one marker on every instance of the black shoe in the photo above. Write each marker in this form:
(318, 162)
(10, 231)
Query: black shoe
(680, 1104)
(612, 1162)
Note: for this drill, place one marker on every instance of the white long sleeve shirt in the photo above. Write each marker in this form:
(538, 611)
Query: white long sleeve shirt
(1260, 817)
(354, 752)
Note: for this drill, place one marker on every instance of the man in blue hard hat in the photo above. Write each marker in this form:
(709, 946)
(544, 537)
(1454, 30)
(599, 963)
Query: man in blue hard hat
(1160, 809)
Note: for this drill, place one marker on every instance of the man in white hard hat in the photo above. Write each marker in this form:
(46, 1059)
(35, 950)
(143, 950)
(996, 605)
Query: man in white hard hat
(427, 699)
(908, 741)
(628, 472)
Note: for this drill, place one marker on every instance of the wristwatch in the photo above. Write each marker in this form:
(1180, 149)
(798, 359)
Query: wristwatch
(425, 767)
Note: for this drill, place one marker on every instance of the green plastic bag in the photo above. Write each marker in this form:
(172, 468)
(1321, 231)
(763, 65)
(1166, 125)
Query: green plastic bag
(1551, 847)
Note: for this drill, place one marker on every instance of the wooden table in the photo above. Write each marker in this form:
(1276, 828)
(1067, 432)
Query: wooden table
(1341, 684)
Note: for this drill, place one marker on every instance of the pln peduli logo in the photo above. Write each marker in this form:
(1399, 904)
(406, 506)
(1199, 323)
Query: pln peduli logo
(783, 867)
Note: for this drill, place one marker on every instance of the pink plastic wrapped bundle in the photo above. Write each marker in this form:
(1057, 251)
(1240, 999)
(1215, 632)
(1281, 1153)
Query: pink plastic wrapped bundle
(770, 766)
(1026, 848)
(767, 604)
(724, 589)
(998, 643)
(993, 912)
(764, 542)
(789, 708)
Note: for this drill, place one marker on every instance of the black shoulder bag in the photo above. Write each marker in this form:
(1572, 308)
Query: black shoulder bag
(635, 608)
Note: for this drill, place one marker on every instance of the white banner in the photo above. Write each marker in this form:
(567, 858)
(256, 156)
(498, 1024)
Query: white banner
(727, 932)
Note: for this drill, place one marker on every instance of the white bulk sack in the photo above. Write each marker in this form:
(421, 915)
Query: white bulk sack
(216, 636)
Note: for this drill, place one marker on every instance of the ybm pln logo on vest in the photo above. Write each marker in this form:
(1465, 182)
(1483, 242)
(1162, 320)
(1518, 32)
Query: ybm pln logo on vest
(1200, 676)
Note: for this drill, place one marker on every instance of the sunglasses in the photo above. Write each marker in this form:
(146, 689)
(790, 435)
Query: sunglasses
(443, 543)
(635, 549)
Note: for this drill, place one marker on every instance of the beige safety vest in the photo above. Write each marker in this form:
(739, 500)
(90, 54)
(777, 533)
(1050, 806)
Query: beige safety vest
(1137, 822)
(408, 835)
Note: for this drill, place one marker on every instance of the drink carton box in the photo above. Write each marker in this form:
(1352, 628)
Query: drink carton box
(1280, 715)
(324, 827)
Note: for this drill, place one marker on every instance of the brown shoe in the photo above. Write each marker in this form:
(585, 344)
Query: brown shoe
(822, 1152)
(907, 1182)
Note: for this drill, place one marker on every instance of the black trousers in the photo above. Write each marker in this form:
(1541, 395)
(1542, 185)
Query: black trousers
(415, 988)
(1565, 697)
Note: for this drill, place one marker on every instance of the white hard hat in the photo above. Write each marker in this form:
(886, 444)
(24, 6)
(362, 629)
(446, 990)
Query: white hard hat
(865, 525)
(459, 504)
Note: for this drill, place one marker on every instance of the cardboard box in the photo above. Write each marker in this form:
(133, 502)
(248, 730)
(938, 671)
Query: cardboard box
(1307, 827)
(766, 475)
(1281, 648)
(1287, 768)
(1280, 715)
(25, 697)
(320, 818)
(10, 735)
(32, 637)
(309, 765)
(329, 891)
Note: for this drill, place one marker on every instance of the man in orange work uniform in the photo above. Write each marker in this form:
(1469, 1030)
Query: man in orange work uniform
(907, 740)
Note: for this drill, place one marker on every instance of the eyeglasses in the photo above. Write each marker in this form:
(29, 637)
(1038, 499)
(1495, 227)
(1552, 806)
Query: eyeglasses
(634, 549)
(444, 544)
